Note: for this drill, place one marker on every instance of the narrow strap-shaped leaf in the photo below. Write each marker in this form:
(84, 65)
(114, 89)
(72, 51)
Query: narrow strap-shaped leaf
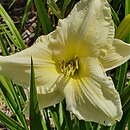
(123, 29)
(68, 121)
(6, 35)
(13, 104)
(37, 30)
(3, 47)
(129, 124)
(115, 16)
(12, 3)
(82, 125)
(47, 118)
(54, 8)
(122, 124)
(55, 117)
(89, 125)
(24, 18)
(10, 123)
(121, 77)
(126, 107)
(127, 7)
(43, 16)
(9, 38)
(65, 4)
(12, 28)
(36, 121)
(125, 96)
(13, 91)
(21, 93)
(61, 114)
(76, 124)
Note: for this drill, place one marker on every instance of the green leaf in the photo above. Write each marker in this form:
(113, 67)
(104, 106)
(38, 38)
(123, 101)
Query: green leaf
(68, 121)
(82, 125)
(12, 3)
(36, 121)
(126, 107)
(19, 42)
(122, 71)
(89, 125)
(3, 47)
(55, 117)
(129, 124)
(125, 96)
(12, 99)
(115, 16)
(24, 18)
(122, 124)
(61, 114)
(65, 5)
(8, 36)
(43, 16)
(37, 30)
(127, 7)
(54, 8)
(76, 124)
(47, 118)
(123, 29)
(10, 123)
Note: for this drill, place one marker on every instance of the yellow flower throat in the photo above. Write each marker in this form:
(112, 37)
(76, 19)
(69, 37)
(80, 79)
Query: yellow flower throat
(69, 68)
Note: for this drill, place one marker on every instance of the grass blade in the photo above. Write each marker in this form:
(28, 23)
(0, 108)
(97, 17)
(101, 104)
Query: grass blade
(12, 100)
(54, 8)
(25, 14)
(123, 29)
(125, 96)
(43, 16)
(3, 47)
(67, 116)
(121, 77)
(36, 121)
(37, 30)
(55, 117)
(115, 16)
(65, 5)
(61, 114)
(9, 39)
(10, 123)
(89, 125)
(47, 118)
(127, 7)
(14, 31)
(122, 124)
(82, 125)
(76, 124)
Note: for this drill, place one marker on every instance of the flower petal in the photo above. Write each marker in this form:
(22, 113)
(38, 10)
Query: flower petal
(17, 66)
(89, 25)
(45, 100)
(92, 97)
(114, 55)
(55, 96)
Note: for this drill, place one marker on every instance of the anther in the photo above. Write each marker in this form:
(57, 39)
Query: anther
(69, 68)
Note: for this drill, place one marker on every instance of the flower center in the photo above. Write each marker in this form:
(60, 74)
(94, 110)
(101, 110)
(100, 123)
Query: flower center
(69, 68)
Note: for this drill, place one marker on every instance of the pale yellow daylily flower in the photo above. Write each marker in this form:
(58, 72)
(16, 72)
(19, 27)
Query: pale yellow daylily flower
(71, 63)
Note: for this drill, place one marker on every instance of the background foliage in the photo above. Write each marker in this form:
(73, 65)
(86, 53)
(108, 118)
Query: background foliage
(12, 39)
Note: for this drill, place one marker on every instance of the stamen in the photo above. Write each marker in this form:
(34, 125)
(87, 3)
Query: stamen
(69, 68)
